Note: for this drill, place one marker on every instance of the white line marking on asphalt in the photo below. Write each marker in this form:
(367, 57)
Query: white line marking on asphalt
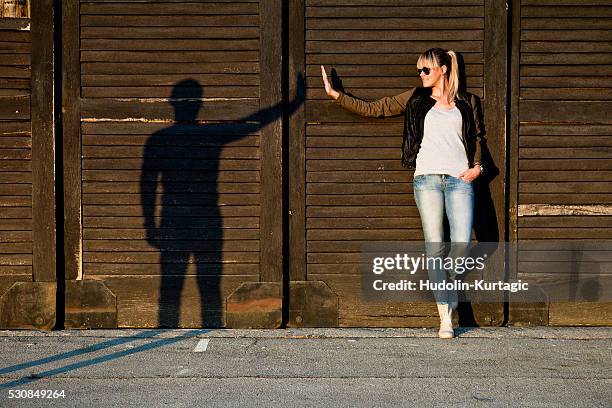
(201, 346)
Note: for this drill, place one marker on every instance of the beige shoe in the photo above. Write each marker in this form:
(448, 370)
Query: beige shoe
(446, 323)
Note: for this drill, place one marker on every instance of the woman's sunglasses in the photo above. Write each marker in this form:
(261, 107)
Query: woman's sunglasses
(426, 70)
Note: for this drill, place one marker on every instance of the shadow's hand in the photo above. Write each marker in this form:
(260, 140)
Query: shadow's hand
(328, 88)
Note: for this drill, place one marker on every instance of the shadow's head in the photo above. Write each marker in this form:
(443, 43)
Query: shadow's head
(187, 99)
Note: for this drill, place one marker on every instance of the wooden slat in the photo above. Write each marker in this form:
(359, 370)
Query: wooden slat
(169, 175)
(393, 11)
(583, 130)
(566, 11)
(384, 23)
(567, 94)
(169, 32)
(169, 45)
(565, 58)
(377, 93)
(148, 128)
(357, 188)
(166, 222)
(354, 165)
(362, 211)
(565, 175)
(172, 199)
(364, 223)
(178, 269)
(141, 79)
(374, 235)
(174, 56)
(186, 8)
(430, 3)
(202, 166)
(173, 257)
(18, 224)
(562, 152)
(393, 35)
(176, 211)
(15, 108)
(565, 164)
(363, 176)
(563, 111)
(565, 222)
(169, 188)
(170, 140)
(14, 166)
(155, 152)
(213, 245)
(342, 47)
(202, 21)
(168, 234)
(374, 199)
(566, 23)
(143, 68)
(566, 187)
(382, 71)
(166, 92)
(578, 198)
(403, 58)
(15, 128)
(210, 110)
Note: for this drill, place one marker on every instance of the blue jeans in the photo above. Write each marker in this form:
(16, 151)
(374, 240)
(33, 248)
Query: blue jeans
(435, 193)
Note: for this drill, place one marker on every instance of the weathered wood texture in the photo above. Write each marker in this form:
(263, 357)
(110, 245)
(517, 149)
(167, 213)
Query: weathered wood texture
(355, 188)
(15, 157)
(43, 142)
(562, 128)
(179, 142)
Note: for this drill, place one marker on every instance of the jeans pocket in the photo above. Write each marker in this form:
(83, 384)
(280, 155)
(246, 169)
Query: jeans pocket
(417, 178)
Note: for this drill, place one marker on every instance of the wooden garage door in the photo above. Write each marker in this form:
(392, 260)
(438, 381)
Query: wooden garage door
(355, 189)
(563, 182)
(172, 139)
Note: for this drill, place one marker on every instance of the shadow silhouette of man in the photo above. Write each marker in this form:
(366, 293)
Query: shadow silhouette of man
(184, 159)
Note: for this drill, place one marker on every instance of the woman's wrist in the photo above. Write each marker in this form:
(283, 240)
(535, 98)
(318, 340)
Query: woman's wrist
(334, 94)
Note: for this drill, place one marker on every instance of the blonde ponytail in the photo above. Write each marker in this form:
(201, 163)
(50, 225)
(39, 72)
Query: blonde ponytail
(453, 77)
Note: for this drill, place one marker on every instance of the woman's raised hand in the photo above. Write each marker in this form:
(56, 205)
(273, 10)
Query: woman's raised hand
(328, 88)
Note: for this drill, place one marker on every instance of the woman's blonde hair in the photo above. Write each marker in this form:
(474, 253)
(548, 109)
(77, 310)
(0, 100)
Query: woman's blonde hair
(439, 57)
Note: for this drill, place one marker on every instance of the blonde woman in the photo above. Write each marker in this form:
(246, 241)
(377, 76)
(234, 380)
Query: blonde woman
(442, 141)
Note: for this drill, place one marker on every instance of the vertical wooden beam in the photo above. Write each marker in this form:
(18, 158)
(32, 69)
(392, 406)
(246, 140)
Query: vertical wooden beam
(297, 143)
(270, 94)
(514, 128)
(494, 106)
(71, 114)
(43, 143)
(495, 82)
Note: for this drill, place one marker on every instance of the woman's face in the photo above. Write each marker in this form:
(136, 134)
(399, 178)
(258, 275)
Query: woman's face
(436, 75)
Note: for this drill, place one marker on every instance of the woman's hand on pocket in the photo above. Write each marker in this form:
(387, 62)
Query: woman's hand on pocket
(470, 175)
(328, 88)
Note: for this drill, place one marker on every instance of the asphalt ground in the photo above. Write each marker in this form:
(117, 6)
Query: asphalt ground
(482, 367)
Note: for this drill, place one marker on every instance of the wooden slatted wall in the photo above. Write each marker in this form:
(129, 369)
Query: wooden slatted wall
(356, 189)
(133, 54)
(564, 146)
(15, 153)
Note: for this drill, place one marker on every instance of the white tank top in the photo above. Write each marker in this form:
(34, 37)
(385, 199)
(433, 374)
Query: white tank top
(442, 150)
